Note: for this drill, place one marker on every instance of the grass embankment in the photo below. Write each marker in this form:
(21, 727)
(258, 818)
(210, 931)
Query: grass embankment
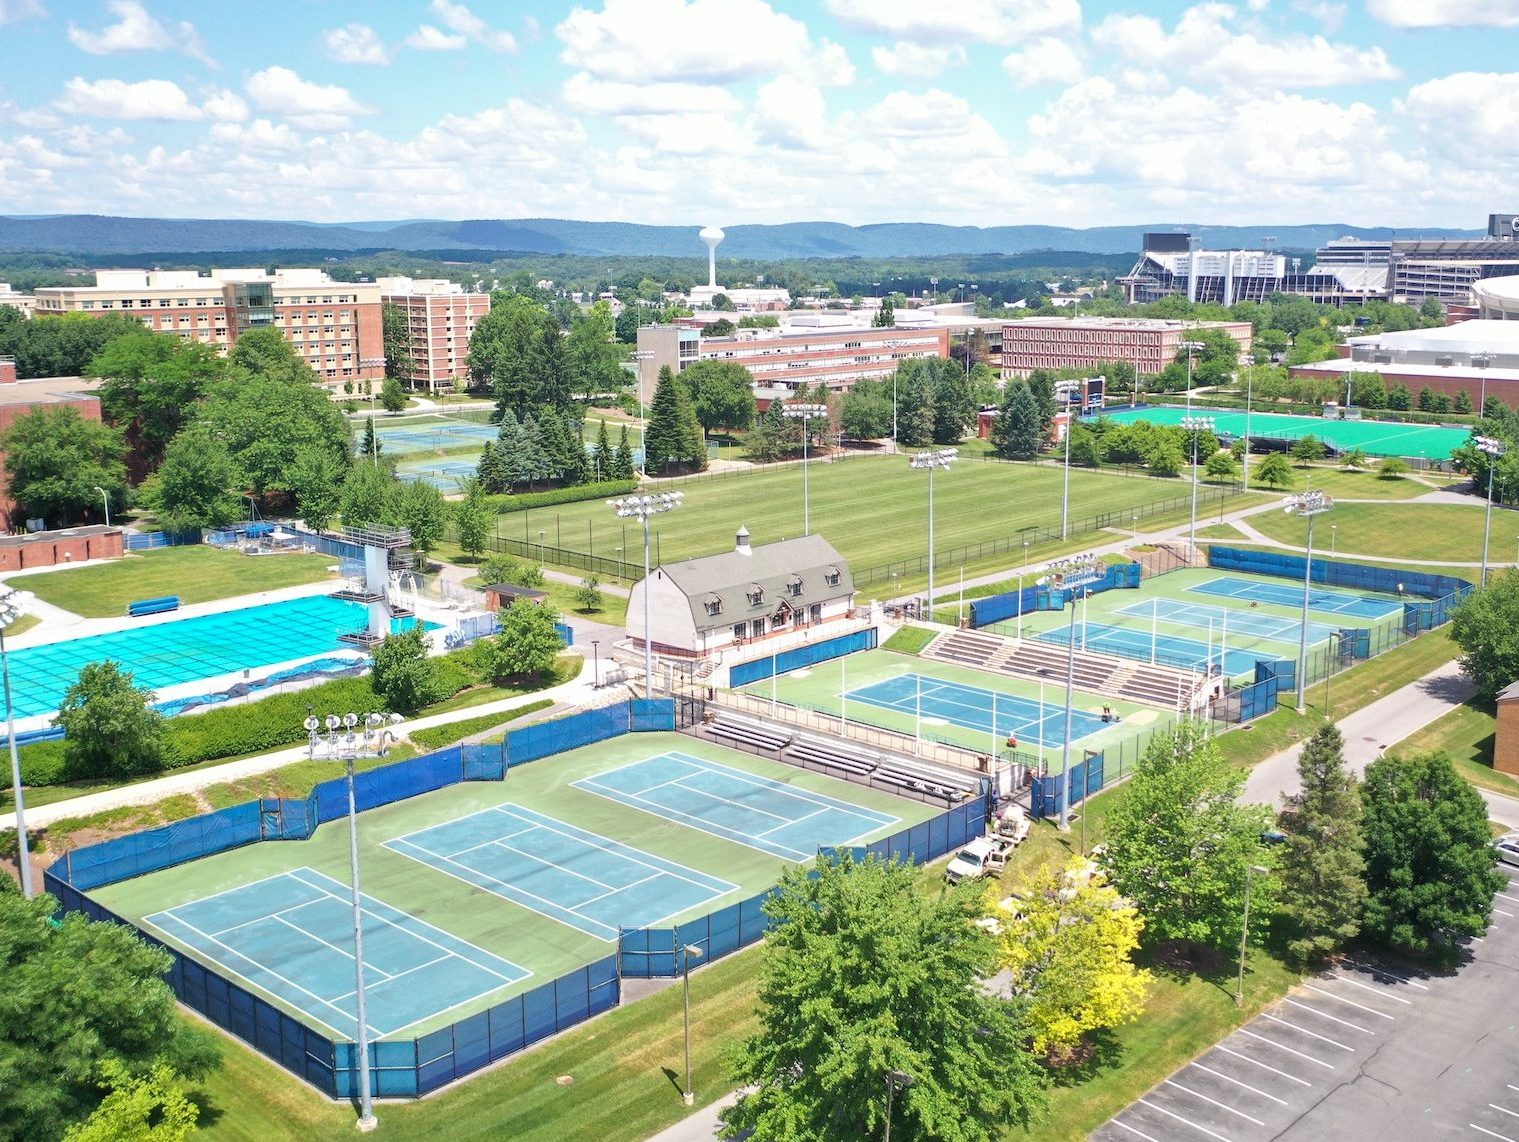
(196, 574)
(1403, 531)
(1466, 735)
(1344, 485)
(910, 640)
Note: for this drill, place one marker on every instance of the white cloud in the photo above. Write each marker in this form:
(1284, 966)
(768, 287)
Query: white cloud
(1329, 13)
(599, 97)
(225, 107)
(13, 10)
(137, 30)
(959, 21)
(115, 99)
(1204, 47)
(1467, 114)
(315, 106)
(916, 60)
(1047, 60)
(430, 39)
(457, 18)
(1445, 13)
(718, 41)
(259, 135)
(790, 113)
(355, 43)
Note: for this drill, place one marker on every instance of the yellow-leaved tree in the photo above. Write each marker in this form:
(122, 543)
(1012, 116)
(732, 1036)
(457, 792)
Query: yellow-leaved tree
(1068, 940)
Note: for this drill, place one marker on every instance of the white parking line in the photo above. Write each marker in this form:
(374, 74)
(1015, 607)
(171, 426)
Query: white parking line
(1490, 1133)
(1237, 1082)
(1305, 1031)
(1505, 1110)
(1213, 1102)
(1353, 1003)
(1289, 1050)
(1382, 991)
(1375, 970)
(1511, 1086)
(1189, 1122)
(1326, 1015)
(1506, 896)
(1264, 1066)
(1134, 1130)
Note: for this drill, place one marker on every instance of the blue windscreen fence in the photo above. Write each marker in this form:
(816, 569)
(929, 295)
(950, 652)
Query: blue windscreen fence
(148, 540)
(566, 633)
(809, 654)
(330, 544)
(1037, 597)
(1365, 577)
(1047, 793)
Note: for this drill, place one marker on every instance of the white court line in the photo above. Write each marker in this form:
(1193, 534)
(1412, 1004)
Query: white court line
(1353, 1003)
(1133, 1130)
(701, 824)
(1505, 1110)
(1490, 1133)
(781, 789)
(1214, 1102)
(1375, 970)
(1184, 1121)
(1382, 991)
(1264, 1066)
(1237, 1082)
(610, 891)
(227, 892)
(1326, 1015)
(1289, 1050)
(391, 979)
(1305, 1031)
(347, 955)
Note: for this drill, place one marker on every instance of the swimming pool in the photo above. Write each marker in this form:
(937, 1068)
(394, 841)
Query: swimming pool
(188, 650)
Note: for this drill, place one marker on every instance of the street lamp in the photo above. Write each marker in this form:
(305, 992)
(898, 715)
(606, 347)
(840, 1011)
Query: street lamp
(1191, 347)
(1072, 574)
(1249, 391)
(107, 500)
(687, 1096)
(12, 607)
(1244, 932)
(345, 739)
(1196, 425)
(895, 1080)
(805, 413)
(1482, 361)
(371, 363)
(1309, 504)
(1494, 450)
(938, 458)
(596, 662)
(641, 508)
(640, 356)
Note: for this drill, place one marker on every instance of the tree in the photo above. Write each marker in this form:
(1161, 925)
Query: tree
(605, 461)
(1180, 843)
(526, 647)
(194, 485)
(594, 360)
(1323, 872)
(954, 404)
(110, 728)
(1485, 625)
(1221, 466)
(722, 327)
(1307, 449)
(82, 1000)
(865, 411)
(139, 1108)
(588, 595)
(422, 510)
(1015, 432)
(886, 316)
(472, 519)
(60, 346)
(149, 385)
(392, 396)
(863, 975)
(623, 465)
(673, 436)
(506, 569)
(551, 369)
(1274, 471)
(915, 383)
(722, 394)
(55, 459)
(1463, 403)
(1432, 311)
(402, 674)
(1368, 390)
(1399, 399)
(1355, 460)
(501, 350)
(722, 302)
(1391, 468)
(317, 481)
(1068, 939)
(1086, 447)
(368, 493)
(369, 443)
(1165, 457)
(1430, 867)
(395, 331)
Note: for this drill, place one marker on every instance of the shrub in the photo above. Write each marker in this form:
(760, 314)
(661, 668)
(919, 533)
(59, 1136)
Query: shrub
(579, 492)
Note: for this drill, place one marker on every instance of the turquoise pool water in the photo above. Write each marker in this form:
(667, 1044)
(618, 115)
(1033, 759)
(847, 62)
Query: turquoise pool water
(188, 650)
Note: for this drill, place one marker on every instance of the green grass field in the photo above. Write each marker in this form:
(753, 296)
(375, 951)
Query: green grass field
(1342, 484)
(196, 574)
(528, 938)
(1399, 531)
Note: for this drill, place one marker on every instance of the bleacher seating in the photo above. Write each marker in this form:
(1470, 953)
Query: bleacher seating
(833, 755)
(745, 732)
(157, 606)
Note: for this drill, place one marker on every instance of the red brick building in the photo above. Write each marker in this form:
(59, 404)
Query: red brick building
(17, 398)
(440, 318)
(1150, 344)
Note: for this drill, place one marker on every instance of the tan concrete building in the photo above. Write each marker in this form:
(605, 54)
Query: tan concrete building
(440, 317)
(334, 326)
(16, 300)
(1149, 344)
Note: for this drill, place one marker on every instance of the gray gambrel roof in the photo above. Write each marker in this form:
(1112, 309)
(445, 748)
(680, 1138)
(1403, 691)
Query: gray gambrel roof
(731, 577)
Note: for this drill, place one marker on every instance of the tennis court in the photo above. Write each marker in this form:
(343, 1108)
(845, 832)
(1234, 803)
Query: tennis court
(1226, 622)
(1169, 649)
(975, 708)
(435, 435)
(292, 935)
(768, 815)
(1340, 602)
(560, 870)
(445, 475)
(1374, 437)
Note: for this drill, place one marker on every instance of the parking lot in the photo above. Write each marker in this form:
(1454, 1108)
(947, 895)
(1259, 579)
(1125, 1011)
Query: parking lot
(1361, 1051)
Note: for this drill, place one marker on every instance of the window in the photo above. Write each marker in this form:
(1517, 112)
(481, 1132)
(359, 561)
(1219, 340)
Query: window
(739, 630)
(756, 594)
(831, 577)
(758, 628)
(794, 586)
(817, 612)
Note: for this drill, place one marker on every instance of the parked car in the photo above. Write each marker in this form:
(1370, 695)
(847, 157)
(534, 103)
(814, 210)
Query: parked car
(981, 857)
(1507, 848)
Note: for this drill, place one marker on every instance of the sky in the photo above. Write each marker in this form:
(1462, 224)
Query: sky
(691, 112)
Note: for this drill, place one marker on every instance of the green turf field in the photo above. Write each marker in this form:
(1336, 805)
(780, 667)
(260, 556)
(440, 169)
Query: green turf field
(1450, 532)
(1374, 437)
(526, 937)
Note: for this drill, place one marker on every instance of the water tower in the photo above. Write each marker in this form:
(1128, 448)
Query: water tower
(711, 236)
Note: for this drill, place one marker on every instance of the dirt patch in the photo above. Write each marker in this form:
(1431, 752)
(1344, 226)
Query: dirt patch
(1184, 955)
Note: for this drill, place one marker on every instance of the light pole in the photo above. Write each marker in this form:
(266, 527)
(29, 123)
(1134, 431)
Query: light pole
(687, 1096)
(1309, 504)
(1244, 932)
(343, 739)
(596, 662)
(12, 607)
(1191, 347)
(107, 500)
(1483, 361)
(1494, 450)
(895, 1080)
(1196, 425)
(1073, 574)
(641, 508)
(1065, 481)
(640, 356)
(372, 363)
(805, 413)
(1249, 389)
(938, 458)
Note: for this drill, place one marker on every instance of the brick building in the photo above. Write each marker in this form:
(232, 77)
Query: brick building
(1149, 344)
(17, 398)
(440, 319)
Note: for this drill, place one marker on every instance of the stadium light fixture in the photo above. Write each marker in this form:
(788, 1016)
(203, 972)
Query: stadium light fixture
(805, 413)
(1072, 576)
(641, 508)
(1310, 504)
(1494, 449)
(937, 458)
(372, 363)
(1196, 425)
(13, 605)
(1190, 347)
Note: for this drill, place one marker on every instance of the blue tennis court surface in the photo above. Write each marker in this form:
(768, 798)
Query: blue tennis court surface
(756, 811)
(1341, 602)
(445, 475)
(292, 935)
(435, 436)
(1226, 621)
(1170, 650)
(970, 707)
(560, 870)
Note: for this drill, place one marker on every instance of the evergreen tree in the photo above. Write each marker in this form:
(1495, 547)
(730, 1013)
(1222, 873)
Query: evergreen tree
(622, 468)
(605, 461)
(492, 469)
(1463, 402)
(674, 436)
(1323, 871)
(1041, 382)
(915, 403)
(1015, 431)
(1399, 399)
(370, 444)
(954, 404)
(551, 364)
(533, 459)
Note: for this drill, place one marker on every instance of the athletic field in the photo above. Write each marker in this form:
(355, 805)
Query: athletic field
(1374, 437)
(483, 890)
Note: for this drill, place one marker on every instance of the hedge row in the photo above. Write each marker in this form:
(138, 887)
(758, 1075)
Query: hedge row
(436, 737)
(548, 499)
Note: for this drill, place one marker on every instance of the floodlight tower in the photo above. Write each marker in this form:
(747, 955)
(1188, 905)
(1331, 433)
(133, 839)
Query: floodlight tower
(1494, 450)
(711, 236)
(1310, 503)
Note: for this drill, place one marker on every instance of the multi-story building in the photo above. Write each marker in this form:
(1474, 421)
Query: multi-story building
(1479, 358)
(1149, 344)
(17, 398)
(334, 326)
(1170, 265)
(22, 301)
(440, 318)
